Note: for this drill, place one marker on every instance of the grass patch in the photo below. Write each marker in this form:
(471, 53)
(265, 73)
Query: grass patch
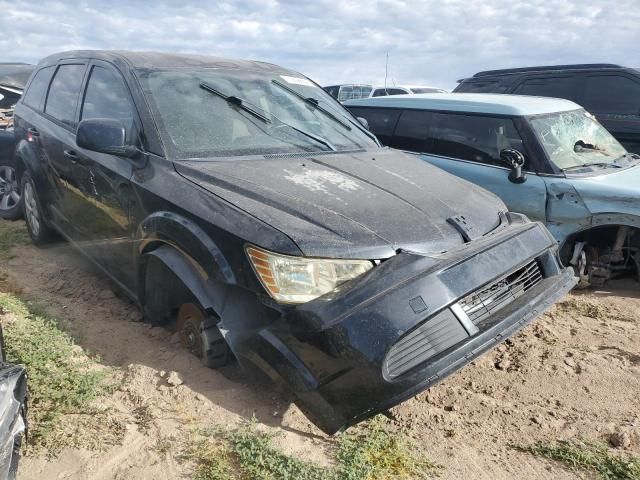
(594, 457)
(63, 381)
(11, 234)
(373, 453)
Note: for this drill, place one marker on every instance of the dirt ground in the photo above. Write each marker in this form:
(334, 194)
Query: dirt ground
(573, 374)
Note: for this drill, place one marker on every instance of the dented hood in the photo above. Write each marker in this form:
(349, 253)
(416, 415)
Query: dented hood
(367, 204)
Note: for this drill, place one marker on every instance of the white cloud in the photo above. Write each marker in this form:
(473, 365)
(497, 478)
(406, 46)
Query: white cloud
(332, 41)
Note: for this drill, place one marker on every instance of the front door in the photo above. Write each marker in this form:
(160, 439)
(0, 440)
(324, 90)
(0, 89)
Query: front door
(104, 187)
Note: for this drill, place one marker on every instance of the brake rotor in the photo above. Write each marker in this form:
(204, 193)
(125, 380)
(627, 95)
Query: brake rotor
(190, 320)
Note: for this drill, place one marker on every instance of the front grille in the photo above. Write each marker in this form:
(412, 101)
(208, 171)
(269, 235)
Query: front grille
(437, 334)
(482, 304)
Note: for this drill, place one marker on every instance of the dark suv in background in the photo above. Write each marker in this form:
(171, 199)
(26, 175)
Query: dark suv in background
(610, 92)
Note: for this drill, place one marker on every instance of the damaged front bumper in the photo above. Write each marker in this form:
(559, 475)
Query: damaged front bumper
(409, 323)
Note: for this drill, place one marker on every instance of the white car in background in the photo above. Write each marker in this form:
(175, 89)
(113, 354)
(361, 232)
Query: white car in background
(404, 90)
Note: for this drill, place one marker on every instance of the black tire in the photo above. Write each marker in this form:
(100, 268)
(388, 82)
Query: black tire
(10, 197)
(39, 230)
(202, 337)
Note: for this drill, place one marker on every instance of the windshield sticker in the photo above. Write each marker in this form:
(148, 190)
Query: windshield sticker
(296, 80)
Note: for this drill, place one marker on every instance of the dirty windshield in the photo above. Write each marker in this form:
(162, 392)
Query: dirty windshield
(222, 113)
(574, 139)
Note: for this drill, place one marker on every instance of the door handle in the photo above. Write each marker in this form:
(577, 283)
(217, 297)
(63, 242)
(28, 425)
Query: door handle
(32, 135)
(72, 155)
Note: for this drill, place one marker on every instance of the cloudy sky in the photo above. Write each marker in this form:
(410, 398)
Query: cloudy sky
(335, 41)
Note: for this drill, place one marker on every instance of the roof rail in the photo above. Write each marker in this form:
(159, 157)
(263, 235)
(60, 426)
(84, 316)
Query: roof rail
(581, 66)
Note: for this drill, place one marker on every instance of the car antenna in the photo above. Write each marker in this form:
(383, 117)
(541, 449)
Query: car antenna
(386, 73)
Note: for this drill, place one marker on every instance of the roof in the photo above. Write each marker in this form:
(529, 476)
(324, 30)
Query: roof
(492, 103)
(545, 68)
(158, 60)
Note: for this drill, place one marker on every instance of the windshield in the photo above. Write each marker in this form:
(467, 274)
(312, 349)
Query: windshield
(236, 112)
(572, 139)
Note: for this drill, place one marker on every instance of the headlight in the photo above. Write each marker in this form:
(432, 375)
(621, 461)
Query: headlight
(299, 279)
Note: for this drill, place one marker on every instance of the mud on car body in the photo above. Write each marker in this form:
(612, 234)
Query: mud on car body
(242, 199)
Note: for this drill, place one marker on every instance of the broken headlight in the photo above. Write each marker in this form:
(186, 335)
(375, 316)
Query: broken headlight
(298, 279)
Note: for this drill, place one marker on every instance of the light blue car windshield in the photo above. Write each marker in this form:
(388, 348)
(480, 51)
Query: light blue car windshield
(575, 138)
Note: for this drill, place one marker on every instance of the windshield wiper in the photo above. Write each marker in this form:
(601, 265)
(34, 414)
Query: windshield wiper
(238, 102)
(313, 102)
(259, 113)
(594, 164)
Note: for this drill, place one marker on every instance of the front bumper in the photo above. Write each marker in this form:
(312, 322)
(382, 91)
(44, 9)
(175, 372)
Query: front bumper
(334, 353)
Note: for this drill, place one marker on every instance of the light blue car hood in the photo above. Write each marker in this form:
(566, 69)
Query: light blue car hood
(613, 192)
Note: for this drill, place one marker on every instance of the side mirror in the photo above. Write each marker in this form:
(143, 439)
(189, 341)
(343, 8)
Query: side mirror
(364, 122)
(104, 135)
(514, 160)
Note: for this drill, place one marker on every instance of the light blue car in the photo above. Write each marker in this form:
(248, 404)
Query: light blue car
(547, 158)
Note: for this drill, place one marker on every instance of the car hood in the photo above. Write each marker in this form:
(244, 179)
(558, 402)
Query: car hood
(615, 192)
(367, 204)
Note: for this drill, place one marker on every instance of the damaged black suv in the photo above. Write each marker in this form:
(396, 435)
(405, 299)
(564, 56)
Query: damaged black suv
(243, 200)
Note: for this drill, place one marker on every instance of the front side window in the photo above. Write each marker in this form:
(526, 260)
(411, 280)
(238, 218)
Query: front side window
(612, 94)
(34, 96)
(472, 137)
(383, 92)
(411, 131)
(234, 112)
(107, 97)
(382, 121)
(64, 91)
(575, 139)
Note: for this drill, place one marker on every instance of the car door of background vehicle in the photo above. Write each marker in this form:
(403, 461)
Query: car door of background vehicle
(56, 133)
(104, 180)
(469, 146)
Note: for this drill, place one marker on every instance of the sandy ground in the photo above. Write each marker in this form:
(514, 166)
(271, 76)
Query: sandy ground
(574, 373)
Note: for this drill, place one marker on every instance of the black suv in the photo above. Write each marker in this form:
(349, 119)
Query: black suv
(244, 201)
(610, 92)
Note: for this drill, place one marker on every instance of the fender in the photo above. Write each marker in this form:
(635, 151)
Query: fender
(566, 231)
(184, 235)
(27, 159)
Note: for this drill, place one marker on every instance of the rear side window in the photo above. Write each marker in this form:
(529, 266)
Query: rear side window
(478, 87)
(556, 87)
(382, 121)
(411, 132)
(107, 97)
(62, 100)
(34, 96)
(612, 94)
(476, 138)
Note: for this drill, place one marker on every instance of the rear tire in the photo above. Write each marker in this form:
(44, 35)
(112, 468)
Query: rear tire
(202, 337)
(39, 231)
(10, 197)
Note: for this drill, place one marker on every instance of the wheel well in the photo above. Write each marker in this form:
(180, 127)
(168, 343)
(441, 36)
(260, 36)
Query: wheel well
(163, 292)
(601, 238)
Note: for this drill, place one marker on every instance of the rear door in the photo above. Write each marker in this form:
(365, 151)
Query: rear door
(614, 99)
(469, 147)
(56, 132)
(103, 181)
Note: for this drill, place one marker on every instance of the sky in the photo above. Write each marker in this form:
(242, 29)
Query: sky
(338, 41)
